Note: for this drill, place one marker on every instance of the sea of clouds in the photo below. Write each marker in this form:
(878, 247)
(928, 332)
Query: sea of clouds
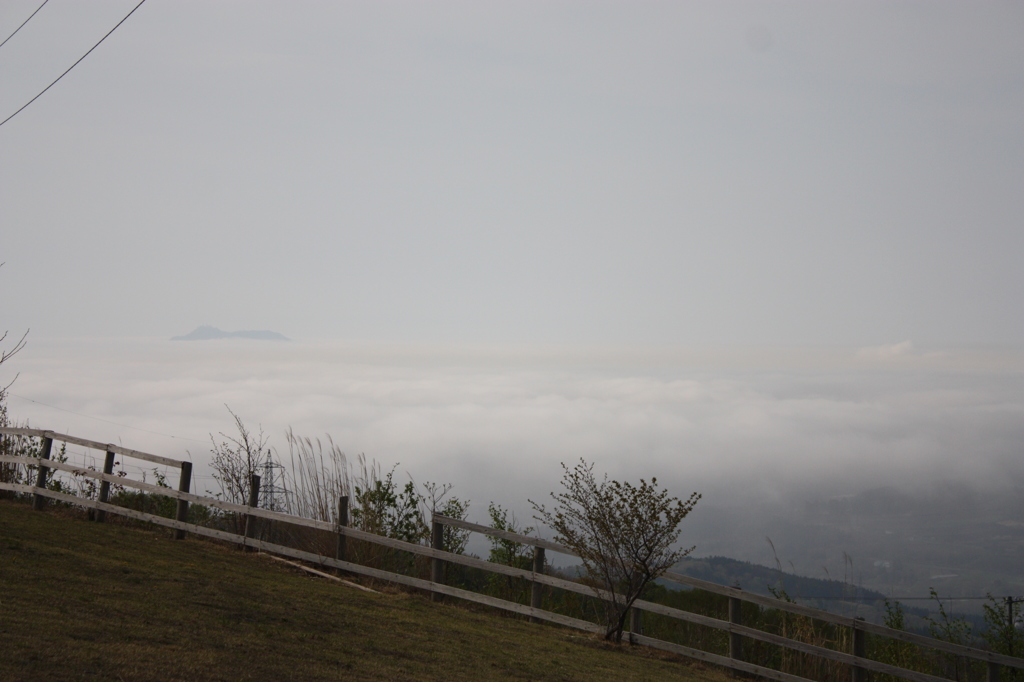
(743, 427)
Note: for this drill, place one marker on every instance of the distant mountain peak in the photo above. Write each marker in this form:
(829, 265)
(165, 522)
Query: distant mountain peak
(206, 332)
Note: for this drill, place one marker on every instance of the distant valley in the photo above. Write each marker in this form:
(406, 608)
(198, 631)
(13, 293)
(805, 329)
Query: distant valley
(836, 596)
(964, 543)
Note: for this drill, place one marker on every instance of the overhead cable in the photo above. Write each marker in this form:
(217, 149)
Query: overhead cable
(73, 65)
(24, 22)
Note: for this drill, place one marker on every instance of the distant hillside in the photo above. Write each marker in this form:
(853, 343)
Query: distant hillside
(206, 332)
(829, 595)
(962, 540)
(762, 579)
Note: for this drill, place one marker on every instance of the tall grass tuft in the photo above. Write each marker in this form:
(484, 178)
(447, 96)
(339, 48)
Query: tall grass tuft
(319, 474)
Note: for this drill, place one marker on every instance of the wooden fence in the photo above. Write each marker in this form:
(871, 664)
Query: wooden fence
(859, 664)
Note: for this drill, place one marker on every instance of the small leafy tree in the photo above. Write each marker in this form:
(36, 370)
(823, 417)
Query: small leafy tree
(453, 539)
(509, 553)
(893, 651)
(952, 629)
(434, 502)
(9, 445)
(1002, 633)
(385, 510)
(623, 534)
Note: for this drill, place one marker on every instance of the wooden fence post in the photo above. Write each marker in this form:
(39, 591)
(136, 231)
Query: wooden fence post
(992, 672)
(7, 448)
(250, 520)
(436, 565)
(536, 589)
(339, 554)
(108, 468)
(736, 618)
(184, 485)
(636, 623)
(1009, 621)
(857, 673)
(38, 501)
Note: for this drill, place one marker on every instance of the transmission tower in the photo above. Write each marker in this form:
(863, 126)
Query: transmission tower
(272, 494)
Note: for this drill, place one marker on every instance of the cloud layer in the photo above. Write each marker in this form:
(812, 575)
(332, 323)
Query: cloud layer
(497, 422)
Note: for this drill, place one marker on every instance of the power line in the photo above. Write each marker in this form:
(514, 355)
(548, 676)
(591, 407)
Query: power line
(24, 22)
(106, 421)
(73, 65)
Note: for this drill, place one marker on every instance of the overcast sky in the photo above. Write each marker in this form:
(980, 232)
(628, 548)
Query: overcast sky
(633, 174)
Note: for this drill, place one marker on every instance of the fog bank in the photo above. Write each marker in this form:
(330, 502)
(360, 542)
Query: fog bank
(498, 421)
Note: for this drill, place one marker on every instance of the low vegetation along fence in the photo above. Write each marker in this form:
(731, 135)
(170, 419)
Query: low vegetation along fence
(537, 577)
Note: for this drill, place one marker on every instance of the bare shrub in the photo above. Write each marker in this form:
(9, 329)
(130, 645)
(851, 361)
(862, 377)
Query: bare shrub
(235, 460)
(10, 445)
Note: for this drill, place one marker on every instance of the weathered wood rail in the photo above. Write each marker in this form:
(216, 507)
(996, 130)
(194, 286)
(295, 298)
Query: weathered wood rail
(47, 438)
(859, 664)
(735, 627)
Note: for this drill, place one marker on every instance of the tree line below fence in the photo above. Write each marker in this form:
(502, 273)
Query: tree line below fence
(361, 520)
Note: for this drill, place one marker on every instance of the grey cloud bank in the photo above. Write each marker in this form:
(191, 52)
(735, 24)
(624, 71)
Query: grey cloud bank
(498, 421)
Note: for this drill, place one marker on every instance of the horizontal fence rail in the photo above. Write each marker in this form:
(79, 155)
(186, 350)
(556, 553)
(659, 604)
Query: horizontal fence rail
(111, 450)
(106, 447)
(770, 602)
(856, 660)
(409, 581)
(306, 556)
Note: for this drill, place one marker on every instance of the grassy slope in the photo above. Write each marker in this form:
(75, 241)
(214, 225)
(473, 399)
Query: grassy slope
(81, 600)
